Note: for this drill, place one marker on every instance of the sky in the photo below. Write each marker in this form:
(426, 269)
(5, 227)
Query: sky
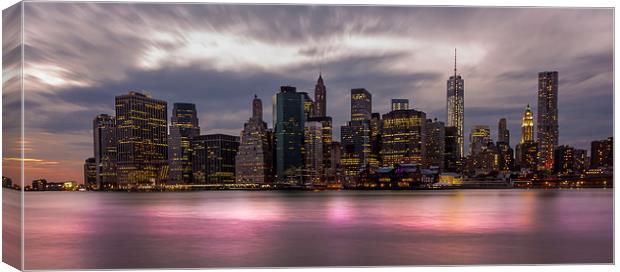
(78, 56)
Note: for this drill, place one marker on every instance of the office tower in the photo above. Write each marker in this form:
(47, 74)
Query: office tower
(528, 156)
(326, 141)
(581, 162)
(403, 137)
(141, 130)
(547, 130)
(456, 106)
(361, 104)
(355, 136)
(506, 157)
(183, 126)
(503, 135)
(213, 158)
(479, 137)
(313, 151)
(308, 105)
(274, 111)
(527, 126)
(484, 161)
(90, 172)
(333, 174)
(452, 160)
(105, 147)
(400, 104)
(602, 153)
(374, 158)
(254, 161)
(356, 147)
(434, 143)
(564, 161)
(320, 98)
(289, 134)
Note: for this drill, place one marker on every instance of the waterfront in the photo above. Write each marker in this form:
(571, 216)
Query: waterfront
(90, 230)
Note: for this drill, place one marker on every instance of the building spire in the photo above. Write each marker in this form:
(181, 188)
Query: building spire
(454, 63)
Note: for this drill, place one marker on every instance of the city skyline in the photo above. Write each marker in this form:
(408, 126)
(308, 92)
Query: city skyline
(211, 88)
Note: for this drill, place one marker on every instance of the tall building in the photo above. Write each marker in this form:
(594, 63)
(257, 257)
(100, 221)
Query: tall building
(254, 160)
(485, 161)
(602, 153)
(213, 158)
(435, 143)
(356, 147)
(528, 156)
(403, 137)
(320, 98)
(308, 105)
(90, 172)
(503, 135)
(564, 161)
(506, 157)
(582, 162)
(183, 127)
(289, 132)
(400, 104)
(456, 107)
(325, 123)
(141, 123)
(313, 151)
(355, 136)
(547, 130)
(479, 138)
(527, 126)
(374, 158)
(452, 161)
(333, 173)
(104, 139)
(361, 104)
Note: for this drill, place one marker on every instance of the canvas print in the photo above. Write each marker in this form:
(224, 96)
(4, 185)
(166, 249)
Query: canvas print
(191, 135)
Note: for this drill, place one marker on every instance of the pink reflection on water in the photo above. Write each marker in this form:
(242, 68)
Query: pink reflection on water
(456, 213)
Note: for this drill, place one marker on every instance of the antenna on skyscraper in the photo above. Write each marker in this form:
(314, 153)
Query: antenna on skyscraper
(455, 63)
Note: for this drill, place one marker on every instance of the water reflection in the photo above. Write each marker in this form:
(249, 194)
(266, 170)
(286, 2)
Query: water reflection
(238, 229)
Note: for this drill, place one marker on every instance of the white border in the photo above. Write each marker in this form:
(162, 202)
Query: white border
(509, 3)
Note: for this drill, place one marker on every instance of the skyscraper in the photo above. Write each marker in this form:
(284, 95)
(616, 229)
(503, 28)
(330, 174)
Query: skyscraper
(479, 138)
(289, 134)
(183, 126)
(313, 150)
(375, 139)
(547, 131)
(320, 98)
(355, 136)
(435, 143)
(564, 161)
(308, 105)
(104, 134)
(90, 172)
(361, 104)
(213, 158)
(403, 137)
(141, 124)
(400, 104)
(503, 135)
(254, 160)
(456, 107)
(452, 161)
(602, 153)
(527, 126)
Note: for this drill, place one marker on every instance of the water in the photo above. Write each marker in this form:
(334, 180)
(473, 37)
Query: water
(90, 230)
